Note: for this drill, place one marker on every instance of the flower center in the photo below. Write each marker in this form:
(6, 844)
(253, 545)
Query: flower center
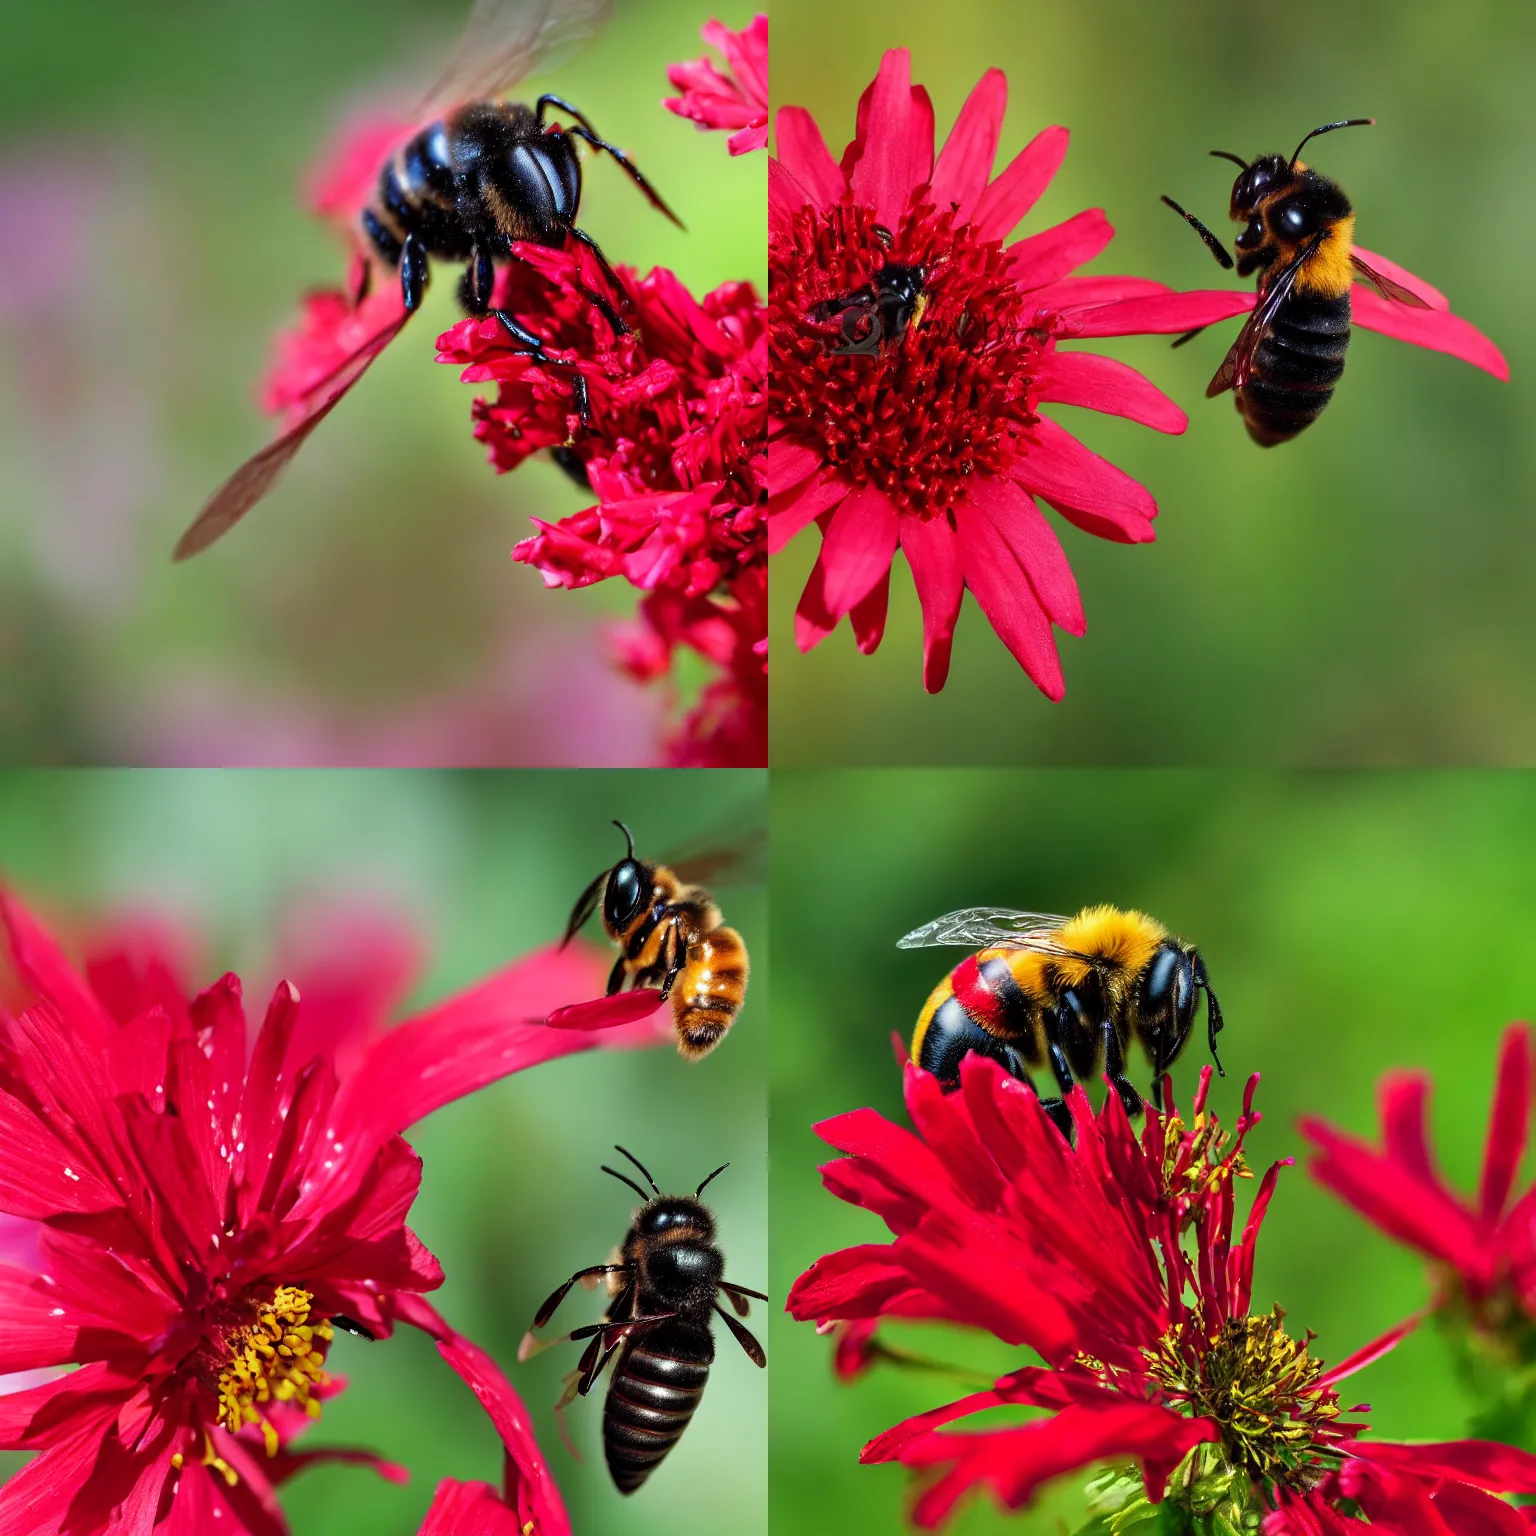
(278, 1357)
(1257, 1383)
(939, 390)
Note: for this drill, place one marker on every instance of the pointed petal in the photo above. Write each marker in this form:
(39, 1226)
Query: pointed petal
(857, 550)
(814, 621)
(786, 197)
(805, 156)
(1510, 1122)
(965, 163)
(1428, 328)
(1369, 1354)
(1018, 189)
(1051, 255)
(1023, 528)
(1086, 489)
(1483, 1463)
(1164, 314)
(1403, 1102)
(468, 1509)
(608, 1012)
(868, 616)
(1008, 600)
(892, 157)
(795, 511)
(933, 553)
(41, 964)
(1105, 384)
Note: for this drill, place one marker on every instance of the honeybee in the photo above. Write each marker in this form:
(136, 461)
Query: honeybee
(1298, 234)
(479, 176)
(658, 1322)
(877, 315)
(1071, 992)
(670, 934)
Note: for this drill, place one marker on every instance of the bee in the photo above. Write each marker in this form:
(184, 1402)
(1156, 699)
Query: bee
(669, 934)
(663, 1291)
(878, 314)
(1298, 233)
(1070, 992)
(481, 175)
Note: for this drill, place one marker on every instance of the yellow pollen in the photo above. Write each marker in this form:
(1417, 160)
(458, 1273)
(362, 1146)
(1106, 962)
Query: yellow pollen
(1203, 1168)
(277, 1358)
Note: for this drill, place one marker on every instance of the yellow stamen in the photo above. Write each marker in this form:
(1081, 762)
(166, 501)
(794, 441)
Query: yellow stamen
(278, 1357)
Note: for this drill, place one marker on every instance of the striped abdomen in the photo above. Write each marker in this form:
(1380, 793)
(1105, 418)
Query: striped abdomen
(980, 1006)
(710, 990)
(656, 1386)
(1296, 367)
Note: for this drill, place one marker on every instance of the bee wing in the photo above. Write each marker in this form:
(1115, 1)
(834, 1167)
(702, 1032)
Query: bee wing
(1386, 286)
(262, 470)
(985, 927)
(506, 40)
(737, 860)
(1237, 366)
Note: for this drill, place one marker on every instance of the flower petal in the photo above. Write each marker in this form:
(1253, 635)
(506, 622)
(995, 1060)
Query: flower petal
(965, 162)
(468, 1509)
(814, 621)
(608, 1012)
(789, 465)
(890, 155)
(1039, 260)
(857, 550)
(1509, 1124)
(1023, 528)
(1428, 328)
(41, 964)
(1009, 601)
(1086, 489)
(933, 552)
(1107, 385)
(868, 616)
(805, 156)
(1018, 189)
(795, 511)
(1163, 314)
(1483, 1463)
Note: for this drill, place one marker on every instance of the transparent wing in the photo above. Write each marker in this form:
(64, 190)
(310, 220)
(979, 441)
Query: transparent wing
(262, 470)
(1237, 366)
(1387, 287)
(506, 40)
(736, 859)
(983, 927)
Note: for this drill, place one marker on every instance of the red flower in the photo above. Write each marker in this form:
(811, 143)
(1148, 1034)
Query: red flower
(934, 441)
(1116, 1260)
(204, 1212)
(673, 450)
(738, 100)
(1483, 1252)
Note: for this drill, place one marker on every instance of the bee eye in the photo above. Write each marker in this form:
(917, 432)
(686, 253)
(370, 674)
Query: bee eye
(1292, 219)
(625, 894)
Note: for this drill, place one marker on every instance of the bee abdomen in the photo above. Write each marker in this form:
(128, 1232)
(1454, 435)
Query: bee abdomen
(1296, 367)
(652, 1397)
(710, 991)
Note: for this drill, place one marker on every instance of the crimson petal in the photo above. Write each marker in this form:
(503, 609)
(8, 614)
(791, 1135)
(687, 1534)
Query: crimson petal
(608, 1012)
(1429, 328)
(933, 552)
(805, 156)
(965, 163)
(1018, 189)
(1105, 384)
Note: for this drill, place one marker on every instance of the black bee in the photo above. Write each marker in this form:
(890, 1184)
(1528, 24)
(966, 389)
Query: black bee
(878, 314)
(482, 174)
(1298, 235)
(658, 1323)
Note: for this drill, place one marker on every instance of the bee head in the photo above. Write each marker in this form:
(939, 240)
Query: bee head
(1170, 994)
(1256, 181)
(628, 888)
(680, 1214)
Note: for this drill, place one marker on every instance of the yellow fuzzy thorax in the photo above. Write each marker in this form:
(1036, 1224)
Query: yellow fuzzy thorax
(1328, 271)
(1123, 940)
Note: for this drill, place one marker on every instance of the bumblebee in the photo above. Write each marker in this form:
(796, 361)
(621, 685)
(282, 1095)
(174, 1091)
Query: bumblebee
(1071, 992)
(1298, 235)
(877, 315)
(670, 934)
(658, 1323)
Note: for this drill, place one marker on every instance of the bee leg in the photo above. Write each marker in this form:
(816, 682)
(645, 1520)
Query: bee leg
(610, 314)
(617, 974)
(382, 237)
(588, 133)
(535, 346)
(679, 953)
(413, 271)
(1114, 1070)
(1057, 1022)
(1189, 336)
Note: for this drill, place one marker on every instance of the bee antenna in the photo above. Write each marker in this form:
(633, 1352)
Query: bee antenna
(638, 1164)
(1226, 154)
(1346, 122)
(630, 839)
(718, 1171)
(624, 1178)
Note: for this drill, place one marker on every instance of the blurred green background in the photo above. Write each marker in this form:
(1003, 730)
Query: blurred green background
(487, 867)
(151, 161)
(1359, 595)
(1351, 923)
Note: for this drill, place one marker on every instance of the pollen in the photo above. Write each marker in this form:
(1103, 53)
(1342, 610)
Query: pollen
(1258, 1384)
(278, 1357)
(947, 400)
